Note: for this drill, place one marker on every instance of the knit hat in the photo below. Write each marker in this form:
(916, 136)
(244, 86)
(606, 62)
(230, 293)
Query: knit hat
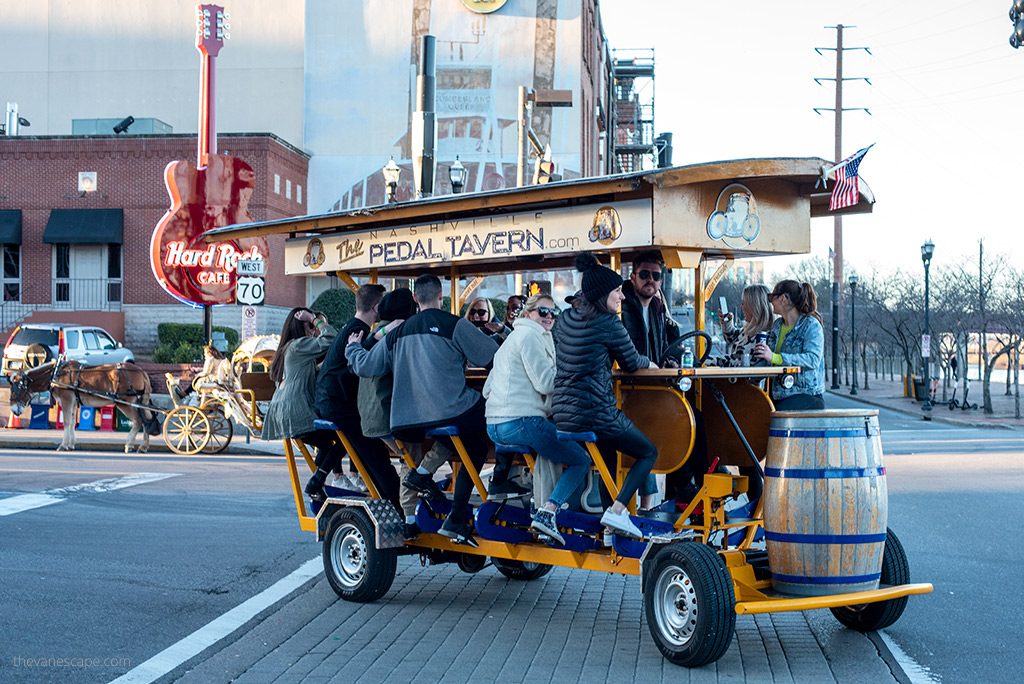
(397, 305)
(598, 280)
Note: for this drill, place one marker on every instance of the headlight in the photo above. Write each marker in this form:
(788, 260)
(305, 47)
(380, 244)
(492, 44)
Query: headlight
(685, 384)
(787, 381)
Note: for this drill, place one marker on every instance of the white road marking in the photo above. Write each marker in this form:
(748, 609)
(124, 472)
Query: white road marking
(204, 637)
(25, 502)
(917, 674)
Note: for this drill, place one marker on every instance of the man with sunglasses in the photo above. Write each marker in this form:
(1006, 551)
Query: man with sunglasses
(643, 311)
(649, 325)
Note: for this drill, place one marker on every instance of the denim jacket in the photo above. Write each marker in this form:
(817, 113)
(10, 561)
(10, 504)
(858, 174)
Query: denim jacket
(803, 346)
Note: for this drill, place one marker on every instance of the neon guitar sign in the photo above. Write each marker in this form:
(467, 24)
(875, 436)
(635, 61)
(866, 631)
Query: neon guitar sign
(214, 192)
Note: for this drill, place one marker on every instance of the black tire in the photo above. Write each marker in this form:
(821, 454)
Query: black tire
(520, 570)
(690, 604)
(357, 570)
(869, 617)
(36, 355)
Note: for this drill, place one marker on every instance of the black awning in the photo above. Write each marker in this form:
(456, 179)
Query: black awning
(10, 226)
(85, 226)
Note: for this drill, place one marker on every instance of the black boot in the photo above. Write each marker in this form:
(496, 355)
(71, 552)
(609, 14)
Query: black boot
(315, 486)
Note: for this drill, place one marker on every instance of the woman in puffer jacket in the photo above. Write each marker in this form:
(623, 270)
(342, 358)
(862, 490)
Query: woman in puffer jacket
(518, 393)
(590, 337)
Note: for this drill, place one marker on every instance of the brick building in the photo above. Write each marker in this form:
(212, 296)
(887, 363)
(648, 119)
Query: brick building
(84, 257)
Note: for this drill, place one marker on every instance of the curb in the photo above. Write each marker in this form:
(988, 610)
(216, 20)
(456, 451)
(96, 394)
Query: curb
(156, 446)
(920, 414)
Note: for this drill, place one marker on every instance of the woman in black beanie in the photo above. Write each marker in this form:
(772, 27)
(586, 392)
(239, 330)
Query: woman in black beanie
(589, 338)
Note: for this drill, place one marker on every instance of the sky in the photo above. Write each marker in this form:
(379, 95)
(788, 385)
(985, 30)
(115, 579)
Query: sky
(736, 80)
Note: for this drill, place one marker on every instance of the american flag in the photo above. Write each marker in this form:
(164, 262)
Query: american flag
(846, 191)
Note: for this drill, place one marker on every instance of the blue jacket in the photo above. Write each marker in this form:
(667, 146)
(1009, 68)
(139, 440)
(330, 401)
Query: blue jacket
(804, 346)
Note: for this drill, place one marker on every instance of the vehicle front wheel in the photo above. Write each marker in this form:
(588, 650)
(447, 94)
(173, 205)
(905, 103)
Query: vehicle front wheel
(869, 617)
(520, 570)
(356, 569)
(690, 604)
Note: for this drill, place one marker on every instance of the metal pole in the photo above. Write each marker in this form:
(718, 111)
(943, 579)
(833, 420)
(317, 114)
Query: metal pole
(927, 360)
(853, 333)
(208, 323)
(521, 121)
(837, 268)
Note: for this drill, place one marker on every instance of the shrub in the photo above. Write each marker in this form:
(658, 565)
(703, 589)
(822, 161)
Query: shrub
(163, 354)
(175, 334)
(339, 304)
(186, 353)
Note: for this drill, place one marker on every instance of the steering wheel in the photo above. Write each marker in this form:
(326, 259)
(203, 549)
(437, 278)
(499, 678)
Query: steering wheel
(675, 350)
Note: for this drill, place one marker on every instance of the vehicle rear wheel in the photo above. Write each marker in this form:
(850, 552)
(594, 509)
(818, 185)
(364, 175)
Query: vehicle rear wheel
(690, 604)
(520, 570)
(869, 617)
(356, 569)
(186, 430)
(221, 430)
(36, 355)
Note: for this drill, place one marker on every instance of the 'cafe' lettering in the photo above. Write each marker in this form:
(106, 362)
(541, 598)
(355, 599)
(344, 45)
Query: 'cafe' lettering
(218, 261)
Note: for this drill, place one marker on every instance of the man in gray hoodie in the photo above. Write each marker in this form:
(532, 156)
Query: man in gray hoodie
(428, 354)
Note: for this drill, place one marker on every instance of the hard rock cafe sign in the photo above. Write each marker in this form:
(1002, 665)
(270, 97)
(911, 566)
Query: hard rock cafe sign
(484, 6)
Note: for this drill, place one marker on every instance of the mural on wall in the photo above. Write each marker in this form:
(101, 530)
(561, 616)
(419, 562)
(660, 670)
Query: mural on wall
(481, 61)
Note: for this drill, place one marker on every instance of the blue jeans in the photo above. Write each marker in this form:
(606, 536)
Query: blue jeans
(540, 434)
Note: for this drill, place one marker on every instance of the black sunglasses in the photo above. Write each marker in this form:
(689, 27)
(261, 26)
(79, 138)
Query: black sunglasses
(479, 312)
(649, 275)
(546, 312)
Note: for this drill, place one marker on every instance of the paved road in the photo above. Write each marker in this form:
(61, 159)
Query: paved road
(126, 573)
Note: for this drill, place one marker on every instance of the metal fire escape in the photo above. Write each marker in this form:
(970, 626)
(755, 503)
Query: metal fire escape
(634, 147)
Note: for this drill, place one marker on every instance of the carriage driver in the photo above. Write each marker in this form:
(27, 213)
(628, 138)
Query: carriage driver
(427, 355)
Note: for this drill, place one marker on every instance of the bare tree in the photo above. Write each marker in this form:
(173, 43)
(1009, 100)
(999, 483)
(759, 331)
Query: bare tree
(1013, 306)
(896, 309)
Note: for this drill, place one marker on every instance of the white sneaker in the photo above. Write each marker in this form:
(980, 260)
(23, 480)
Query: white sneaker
(340, 481)
(621, 524)
(356, 483)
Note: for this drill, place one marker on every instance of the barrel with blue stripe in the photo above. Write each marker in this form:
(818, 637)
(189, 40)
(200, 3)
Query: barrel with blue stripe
(825, 502)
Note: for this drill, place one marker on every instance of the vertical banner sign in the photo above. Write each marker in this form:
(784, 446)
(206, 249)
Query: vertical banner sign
(249, 314)
(926, 346)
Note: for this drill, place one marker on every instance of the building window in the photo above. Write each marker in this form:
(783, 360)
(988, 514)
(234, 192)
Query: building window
(12, 273)
(113, 272)
(288, 189)
(63, 263)
(298, 193)
(277, 184)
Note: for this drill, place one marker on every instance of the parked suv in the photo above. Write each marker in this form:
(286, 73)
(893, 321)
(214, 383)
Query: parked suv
(41, 342)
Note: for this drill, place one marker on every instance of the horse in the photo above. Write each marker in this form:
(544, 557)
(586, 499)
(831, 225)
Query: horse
(74, 385)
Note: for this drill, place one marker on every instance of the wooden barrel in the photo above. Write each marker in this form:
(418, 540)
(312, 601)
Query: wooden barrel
(825, 502)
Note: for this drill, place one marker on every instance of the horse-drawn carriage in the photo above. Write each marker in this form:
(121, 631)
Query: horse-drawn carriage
(204, 424)
(818, 536)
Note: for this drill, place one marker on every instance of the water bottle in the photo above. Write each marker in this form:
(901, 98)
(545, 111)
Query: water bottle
(687, 357)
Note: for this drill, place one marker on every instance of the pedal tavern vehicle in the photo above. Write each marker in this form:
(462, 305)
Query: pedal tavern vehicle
(818, 540)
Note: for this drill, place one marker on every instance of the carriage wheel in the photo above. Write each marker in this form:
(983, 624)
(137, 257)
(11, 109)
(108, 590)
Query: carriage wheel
(221, 430)
(186, 430)
(690, 604)
(869, 617)
(356, 569)
(520, 570)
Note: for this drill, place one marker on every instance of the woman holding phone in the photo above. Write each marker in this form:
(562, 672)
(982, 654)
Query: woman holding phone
(757, 318)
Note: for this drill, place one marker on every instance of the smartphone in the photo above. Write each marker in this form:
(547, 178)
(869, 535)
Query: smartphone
(723, 306)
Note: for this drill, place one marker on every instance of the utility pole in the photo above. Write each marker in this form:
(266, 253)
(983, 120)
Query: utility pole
(837, 268)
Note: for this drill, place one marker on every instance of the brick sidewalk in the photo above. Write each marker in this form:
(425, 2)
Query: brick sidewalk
(439, 624)
(889, 394)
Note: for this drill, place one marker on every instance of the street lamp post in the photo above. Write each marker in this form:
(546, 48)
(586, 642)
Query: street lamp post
(853, 329)
(457, 175)
(391, 175)
(927, 250)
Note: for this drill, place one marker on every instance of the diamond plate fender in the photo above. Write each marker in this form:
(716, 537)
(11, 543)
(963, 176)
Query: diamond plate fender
(388, 525)
(657, 541)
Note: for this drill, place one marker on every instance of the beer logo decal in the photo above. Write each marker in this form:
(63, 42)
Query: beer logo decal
(607, 227)
(484, 6)
(314, 254)
(735, 221)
